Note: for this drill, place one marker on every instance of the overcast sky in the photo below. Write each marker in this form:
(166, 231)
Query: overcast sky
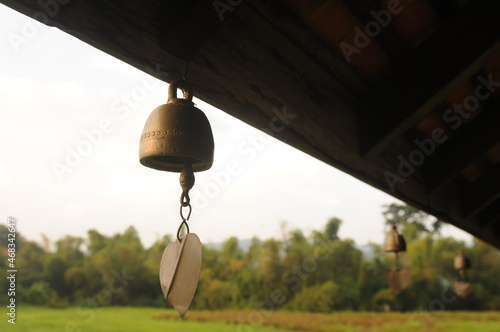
(71, 117)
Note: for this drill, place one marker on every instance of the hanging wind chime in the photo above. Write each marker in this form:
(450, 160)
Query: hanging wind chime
(461, 286)
(177, 138)
(397, 279)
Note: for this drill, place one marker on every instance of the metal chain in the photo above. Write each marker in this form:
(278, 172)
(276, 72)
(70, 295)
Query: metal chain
(183, 223)
(184, 220)
(182, 213)
(185, 200)
(187, 181)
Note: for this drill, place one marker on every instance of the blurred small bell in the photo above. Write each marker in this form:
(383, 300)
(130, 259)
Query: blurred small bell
(461, 286)
(461, 262)
(397, 279)
(394, 242)
(177, 134)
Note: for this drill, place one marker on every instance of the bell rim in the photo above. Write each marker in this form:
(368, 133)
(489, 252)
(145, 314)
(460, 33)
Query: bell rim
(197, 165)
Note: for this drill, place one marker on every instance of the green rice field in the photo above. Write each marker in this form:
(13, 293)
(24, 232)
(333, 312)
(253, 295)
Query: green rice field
(40, 319)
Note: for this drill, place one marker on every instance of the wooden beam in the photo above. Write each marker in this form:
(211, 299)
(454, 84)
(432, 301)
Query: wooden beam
(452, 55)
(294, 29)
(252, 69)
(112, 27)
(188, 25)
(490, 215)
(466, 146)
(481, 193)
(388, 37)
(444, 8)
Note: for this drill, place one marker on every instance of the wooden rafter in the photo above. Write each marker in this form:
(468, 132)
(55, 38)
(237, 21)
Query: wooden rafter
(265, 58)
(458, 50)
(388, 38)
(466, 146)
(481, 193)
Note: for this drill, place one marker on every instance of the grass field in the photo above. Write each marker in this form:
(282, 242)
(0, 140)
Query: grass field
(39, 319)
(127, 319)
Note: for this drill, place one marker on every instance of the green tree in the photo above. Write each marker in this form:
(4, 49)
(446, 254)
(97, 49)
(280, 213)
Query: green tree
(413, 222)
(96, 241)
(332, 228)
(54, 274)
(270, 268)
(30, 259)
(384, 300)
(318, 298)
(69, 249)
(370, 279)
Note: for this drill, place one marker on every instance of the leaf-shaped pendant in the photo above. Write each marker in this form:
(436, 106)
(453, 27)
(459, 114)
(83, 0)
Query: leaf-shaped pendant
(463, 289)
(180, 269)
(397, 279)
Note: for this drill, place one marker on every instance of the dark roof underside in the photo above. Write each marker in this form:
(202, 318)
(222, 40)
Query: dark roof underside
(400, 94)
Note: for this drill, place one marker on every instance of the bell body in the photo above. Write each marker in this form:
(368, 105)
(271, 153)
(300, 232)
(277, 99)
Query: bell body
(394, 242)
(461, 262)
(177, 134)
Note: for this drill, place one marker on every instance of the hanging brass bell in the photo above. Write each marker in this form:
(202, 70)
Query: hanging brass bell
(461, 262)
(394, 242)
(177, 134)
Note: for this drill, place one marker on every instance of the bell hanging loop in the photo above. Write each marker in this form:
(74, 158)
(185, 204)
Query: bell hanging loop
(394, 242)
(186, 89)
(177, 133)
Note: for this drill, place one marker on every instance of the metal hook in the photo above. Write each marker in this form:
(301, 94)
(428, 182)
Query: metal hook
(186, 180)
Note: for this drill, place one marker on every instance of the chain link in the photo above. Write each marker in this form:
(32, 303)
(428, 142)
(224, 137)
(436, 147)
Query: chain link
(181, 210)
(184, 219)
(185, 200)
(186, 180)
(183, 223)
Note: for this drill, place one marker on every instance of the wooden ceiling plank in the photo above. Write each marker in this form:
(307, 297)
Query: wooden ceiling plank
(113, 31)
(449, 57)
(481, 193)
(367, 12)
(247, 70)
(267, 70)
(490, 215)
(463, 149)
(444, 8)
(294, 29)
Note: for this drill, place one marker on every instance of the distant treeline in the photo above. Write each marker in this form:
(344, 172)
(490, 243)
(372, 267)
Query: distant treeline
(317, 272)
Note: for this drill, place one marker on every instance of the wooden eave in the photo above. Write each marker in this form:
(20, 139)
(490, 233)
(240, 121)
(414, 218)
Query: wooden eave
(262, 60)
